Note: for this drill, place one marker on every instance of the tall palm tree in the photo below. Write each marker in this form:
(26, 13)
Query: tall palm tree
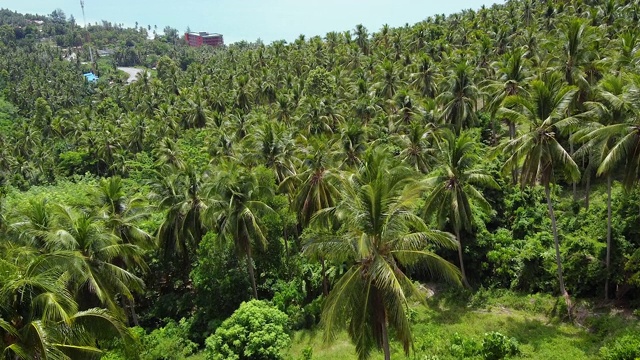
(425, 78)
(180, 193)
(615, 138)
(273, 145)
(417, 146)
(452, 186)
(44, 321)
(121, 215)
(459, 97)
(98, 264)
(537, 153)
(315, 183)
(235, 212)
(511, 72)
(380, 236)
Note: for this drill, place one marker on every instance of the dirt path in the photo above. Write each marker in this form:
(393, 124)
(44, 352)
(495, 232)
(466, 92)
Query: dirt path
(133, 72)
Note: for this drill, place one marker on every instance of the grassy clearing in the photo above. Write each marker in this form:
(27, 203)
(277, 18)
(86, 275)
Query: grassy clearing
(526, 318)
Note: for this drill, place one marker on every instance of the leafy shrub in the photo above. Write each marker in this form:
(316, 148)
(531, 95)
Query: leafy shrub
(603, 324)
(256, 330)
(464, 348)
(496, 346)
(168, 342)
(221, 284)
(307, 353)
(624, 348)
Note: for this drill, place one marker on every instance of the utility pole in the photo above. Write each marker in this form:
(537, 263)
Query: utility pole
(84, 18)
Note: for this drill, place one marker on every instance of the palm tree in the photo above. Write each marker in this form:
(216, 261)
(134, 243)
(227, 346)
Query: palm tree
(615, 139)
(416, 146)
(44, 321)
(235, 212)
(537, 153)
(272, 144)
(316, 189)
(180, 193)
(121, 216)
(35, 224)
(315, 183)
(453, 193)
(459, 97)
(98, 263)
(512, 73)
(425, 78)
(380, 236)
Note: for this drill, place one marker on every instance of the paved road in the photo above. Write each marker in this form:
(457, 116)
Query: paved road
(133, 72)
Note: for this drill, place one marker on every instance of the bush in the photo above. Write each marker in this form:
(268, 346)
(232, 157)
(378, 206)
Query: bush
(624, 348)
(496, 346)
(168, 342)
(463, 348)
(256, 331)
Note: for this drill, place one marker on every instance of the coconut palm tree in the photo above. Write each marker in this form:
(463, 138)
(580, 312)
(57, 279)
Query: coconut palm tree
(44, 321)
(538, 153)
(235, 212)
(453, 191)
(615, 113)
(511, 73)
(99, 265)
(180, 193)
(379, 238)
(459, 97)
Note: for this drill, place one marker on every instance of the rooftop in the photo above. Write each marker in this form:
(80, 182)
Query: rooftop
(204, 34)
(91, 77)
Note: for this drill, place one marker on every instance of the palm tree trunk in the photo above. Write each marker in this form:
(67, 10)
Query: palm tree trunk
(575, 190)
(132, 308)
(556, 243)
(380, 317)
(512, 135)
(464, 274)
(588, 190)
(608, 259)
(325, 281)
(385, 339)
(251, 273)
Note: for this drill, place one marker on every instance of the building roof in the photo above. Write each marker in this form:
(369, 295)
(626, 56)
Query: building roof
(204, 34)
(91, 77)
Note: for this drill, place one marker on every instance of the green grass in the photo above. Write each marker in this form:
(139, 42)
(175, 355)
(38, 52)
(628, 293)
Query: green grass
(523, 317)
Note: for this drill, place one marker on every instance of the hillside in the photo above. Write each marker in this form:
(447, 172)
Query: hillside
(331, 178)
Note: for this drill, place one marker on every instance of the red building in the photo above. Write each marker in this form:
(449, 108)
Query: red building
(203, 38)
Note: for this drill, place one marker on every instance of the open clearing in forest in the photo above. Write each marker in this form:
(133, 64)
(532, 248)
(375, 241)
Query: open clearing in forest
(539, 336)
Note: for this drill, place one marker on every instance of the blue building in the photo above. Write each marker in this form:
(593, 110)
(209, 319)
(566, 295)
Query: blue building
(91, 77)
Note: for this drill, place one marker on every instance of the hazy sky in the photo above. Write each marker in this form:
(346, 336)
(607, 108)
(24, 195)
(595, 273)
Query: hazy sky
(252, 19)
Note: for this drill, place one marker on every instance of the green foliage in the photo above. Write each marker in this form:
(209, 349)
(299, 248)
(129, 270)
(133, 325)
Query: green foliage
(221, 286)
(307, 353)
(74, 162)
(169, 342)
(319, 83)
(494, 346)
(462, 347)
(626, 347)
(267, 147)
(256, 330)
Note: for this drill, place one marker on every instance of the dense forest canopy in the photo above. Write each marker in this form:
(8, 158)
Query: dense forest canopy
(330, 177)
